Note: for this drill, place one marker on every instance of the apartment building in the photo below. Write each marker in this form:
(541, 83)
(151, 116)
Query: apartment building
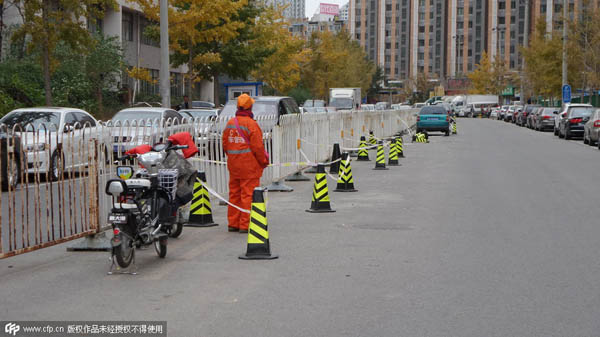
(294, 9)
(305, 28)
(446, 38)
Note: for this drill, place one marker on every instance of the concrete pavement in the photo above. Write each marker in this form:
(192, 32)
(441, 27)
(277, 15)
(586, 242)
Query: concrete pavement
(492, 232)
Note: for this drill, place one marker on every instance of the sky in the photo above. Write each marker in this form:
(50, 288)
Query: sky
(312, 5)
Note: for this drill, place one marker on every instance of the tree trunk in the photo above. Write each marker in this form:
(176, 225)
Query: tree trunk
(99, 100)
(216, 89)
(46, 53)
(190, 72)
(1, 26)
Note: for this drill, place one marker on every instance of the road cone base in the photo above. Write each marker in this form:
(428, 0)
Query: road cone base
(297, 177)
(258, 257)
(380, 168)
(401, 155)
(343, 190)
(320, 210)
(393, 162)
(363, 159)
(199, 225)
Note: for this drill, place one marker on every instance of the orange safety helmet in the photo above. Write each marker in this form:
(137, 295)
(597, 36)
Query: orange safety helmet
(245, 102)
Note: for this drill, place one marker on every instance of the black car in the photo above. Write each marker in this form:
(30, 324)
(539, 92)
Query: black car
(11, 159)
(572, 125)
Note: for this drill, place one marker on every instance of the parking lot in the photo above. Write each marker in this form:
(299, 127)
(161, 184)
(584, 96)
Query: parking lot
(492, 232)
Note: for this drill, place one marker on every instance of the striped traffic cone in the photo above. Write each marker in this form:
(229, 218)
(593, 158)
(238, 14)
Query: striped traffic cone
(258, 232)
(454, 128)
(380, 162)
(372, 139)
(363, 153)
(393, 160)
(200, 210)
(345, 181)
(320, 198)
(399, 147)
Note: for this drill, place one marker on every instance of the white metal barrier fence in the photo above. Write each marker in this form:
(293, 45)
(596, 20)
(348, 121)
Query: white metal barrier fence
(63, 173)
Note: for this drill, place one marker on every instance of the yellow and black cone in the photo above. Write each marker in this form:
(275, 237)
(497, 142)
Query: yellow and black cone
(258, 232)
(363, 153)
(421, 137)
(380, 162)
(372, 139)
(200, 210)
(454, 128)
(399, 147)
(345, 181)
(393, 160)
(320, 198)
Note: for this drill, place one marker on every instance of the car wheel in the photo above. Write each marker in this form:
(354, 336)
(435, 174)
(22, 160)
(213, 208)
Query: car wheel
(585, 140)
(447, 132)
(56, 171)
(567, 135)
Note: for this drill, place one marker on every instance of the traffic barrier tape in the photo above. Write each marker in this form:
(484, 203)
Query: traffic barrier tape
(366, 147)
(213, 192)
(316, 164)
(294, 163)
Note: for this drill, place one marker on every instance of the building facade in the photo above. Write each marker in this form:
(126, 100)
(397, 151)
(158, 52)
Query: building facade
(446, 38)
(305, 28)
(294, 9)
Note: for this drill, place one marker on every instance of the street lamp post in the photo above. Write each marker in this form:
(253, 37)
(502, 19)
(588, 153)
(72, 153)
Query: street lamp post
(165, 83)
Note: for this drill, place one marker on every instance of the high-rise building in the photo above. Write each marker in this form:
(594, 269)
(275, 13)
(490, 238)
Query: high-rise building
(344, 13)
(446, 38)
(294, 9)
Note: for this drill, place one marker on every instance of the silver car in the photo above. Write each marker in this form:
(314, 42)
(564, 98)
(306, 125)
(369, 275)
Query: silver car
(591, 129)
(544, 119)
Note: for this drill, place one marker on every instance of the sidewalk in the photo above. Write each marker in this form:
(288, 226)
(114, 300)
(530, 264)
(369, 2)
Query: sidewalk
(323, 282)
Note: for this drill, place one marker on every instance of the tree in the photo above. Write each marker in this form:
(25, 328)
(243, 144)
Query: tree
(335, 61)
(584, 49)
(280, 70)
(48, 22)
(193, 23)
(103, 66)
(376, 82)
(543, 59)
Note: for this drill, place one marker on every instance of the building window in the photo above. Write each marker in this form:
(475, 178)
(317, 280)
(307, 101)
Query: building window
(421, 43)
(358, 36)
(388, 45)
(388, 7)
(127, 26)
(150, 88)
(388, 20)
(146, 39)
(460, 11)
(421, 56)
(470, 24)
(460, 25)
(501, 20)
(95, 26)
(501, 5)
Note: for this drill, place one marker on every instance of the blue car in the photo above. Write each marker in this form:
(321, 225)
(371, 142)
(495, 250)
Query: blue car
(433, 118)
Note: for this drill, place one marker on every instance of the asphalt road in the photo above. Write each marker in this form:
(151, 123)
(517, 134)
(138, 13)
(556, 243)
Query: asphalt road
(492, 232)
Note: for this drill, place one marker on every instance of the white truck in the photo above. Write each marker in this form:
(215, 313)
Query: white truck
(344, 98)
(479, 104)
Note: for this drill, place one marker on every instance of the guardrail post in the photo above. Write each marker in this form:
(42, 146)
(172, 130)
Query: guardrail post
(276, 184)
(98, 241)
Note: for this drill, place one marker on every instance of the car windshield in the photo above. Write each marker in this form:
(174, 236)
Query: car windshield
(136, 115)
(36, 120)
(341, 103)
(581, 112)
(432, 110)
(198, 113)
(259, 108)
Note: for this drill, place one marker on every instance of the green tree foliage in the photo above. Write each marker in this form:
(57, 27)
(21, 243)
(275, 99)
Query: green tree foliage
(376, 82)
(335, 61)
(79, 80)
(47, 23)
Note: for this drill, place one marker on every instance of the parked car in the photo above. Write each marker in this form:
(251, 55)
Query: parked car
(382, 106)
(591, 129)
(367, 107)
(418, 105)
(314, 103)
(494, 113)
(575, 118)
(433, 118)
(522, 115)
(199, 113)
(544, 119)
(132, 127)
(529, 122)
(266, 105)
(518, 109)
(49, 130)
(202, 105)
(510, 113)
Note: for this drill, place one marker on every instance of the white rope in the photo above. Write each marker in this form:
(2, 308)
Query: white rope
(308, 162)
(213, 192)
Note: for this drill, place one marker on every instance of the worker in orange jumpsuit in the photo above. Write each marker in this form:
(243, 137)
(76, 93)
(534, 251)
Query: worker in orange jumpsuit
(246, 159)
